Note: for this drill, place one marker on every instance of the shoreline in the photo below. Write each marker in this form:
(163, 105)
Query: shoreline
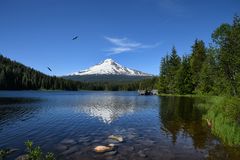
(221, 114)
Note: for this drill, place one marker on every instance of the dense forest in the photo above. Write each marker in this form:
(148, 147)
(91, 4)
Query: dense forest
(212, 70)
(16, 76)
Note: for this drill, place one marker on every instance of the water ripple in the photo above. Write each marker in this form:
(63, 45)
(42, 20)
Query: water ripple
(71, 124)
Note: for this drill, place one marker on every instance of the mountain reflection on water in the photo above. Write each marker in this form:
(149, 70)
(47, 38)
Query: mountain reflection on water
(156, 127)
(109, 107)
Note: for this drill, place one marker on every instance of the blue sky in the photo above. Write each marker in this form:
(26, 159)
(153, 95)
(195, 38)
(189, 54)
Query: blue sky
(135, 33)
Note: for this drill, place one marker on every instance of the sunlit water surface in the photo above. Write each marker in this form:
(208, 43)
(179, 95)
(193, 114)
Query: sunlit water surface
(71, 124)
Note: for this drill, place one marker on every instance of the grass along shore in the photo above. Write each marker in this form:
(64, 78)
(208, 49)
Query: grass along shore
(222, 114)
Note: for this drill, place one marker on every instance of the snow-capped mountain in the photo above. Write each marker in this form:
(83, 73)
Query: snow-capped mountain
(109, 67)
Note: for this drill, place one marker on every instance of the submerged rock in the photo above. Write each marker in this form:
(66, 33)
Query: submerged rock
(141, 154)
(131, 136)
(110, 153)
(147, 142)
(102, 149)
(130, 149)
(117, 138)
(68, 142)
(83, 139)
(110, 141)
(13, 150)
(5, 152)
(61, 147)
(112, 145)
(22, 157)
(96, 141)
(71, 150)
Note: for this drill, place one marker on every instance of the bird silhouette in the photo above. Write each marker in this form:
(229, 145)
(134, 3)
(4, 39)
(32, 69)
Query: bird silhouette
(75, 38)
(49, 69)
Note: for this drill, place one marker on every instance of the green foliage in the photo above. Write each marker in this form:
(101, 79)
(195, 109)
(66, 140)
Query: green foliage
(15, 76)
(197, 58)
(163, 79)
(174, 64)
(169, 68)
(206, 71)
(227, 38)
(224, 115)
(35, 153)
(4, 153)
(184, 77)
(148, 84)
(49, 156)
(211, 79)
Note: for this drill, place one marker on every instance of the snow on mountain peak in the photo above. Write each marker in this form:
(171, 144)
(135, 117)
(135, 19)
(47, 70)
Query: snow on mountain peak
(108, 61)
(110, 67)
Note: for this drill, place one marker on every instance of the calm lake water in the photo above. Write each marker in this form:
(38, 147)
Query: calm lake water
(71, 124)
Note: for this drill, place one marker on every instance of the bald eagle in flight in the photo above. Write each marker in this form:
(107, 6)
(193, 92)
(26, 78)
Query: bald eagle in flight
(75, 38)
(49, 69)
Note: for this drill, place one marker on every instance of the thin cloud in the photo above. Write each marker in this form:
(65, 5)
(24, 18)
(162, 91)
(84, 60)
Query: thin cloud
(123, 45)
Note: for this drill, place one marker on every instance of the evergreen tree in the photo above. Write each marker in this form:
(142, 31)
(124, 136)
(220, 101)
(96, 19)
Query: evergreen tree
(168, 70)
(174, 65)
(2, 79)
(184, 77)
(207, 75)
(197, 58)
(163, 79)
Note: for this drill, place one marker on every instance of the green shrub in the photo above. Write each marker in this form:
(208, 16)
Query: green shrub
(35, 153)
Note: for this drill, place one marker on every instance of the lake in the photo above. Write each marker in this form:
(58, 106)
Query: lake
(71, 124)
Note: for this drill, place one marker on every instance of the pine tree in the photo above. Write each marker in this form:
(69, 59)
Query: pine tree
(184, 77)
(2, 79)
(174, 65)
(197, 58)
(163, 79)
(168, 70)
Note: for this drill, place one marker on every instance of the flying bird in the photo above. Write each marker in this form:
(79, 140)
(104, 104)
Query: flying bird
(49, 69)
(75, 38)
